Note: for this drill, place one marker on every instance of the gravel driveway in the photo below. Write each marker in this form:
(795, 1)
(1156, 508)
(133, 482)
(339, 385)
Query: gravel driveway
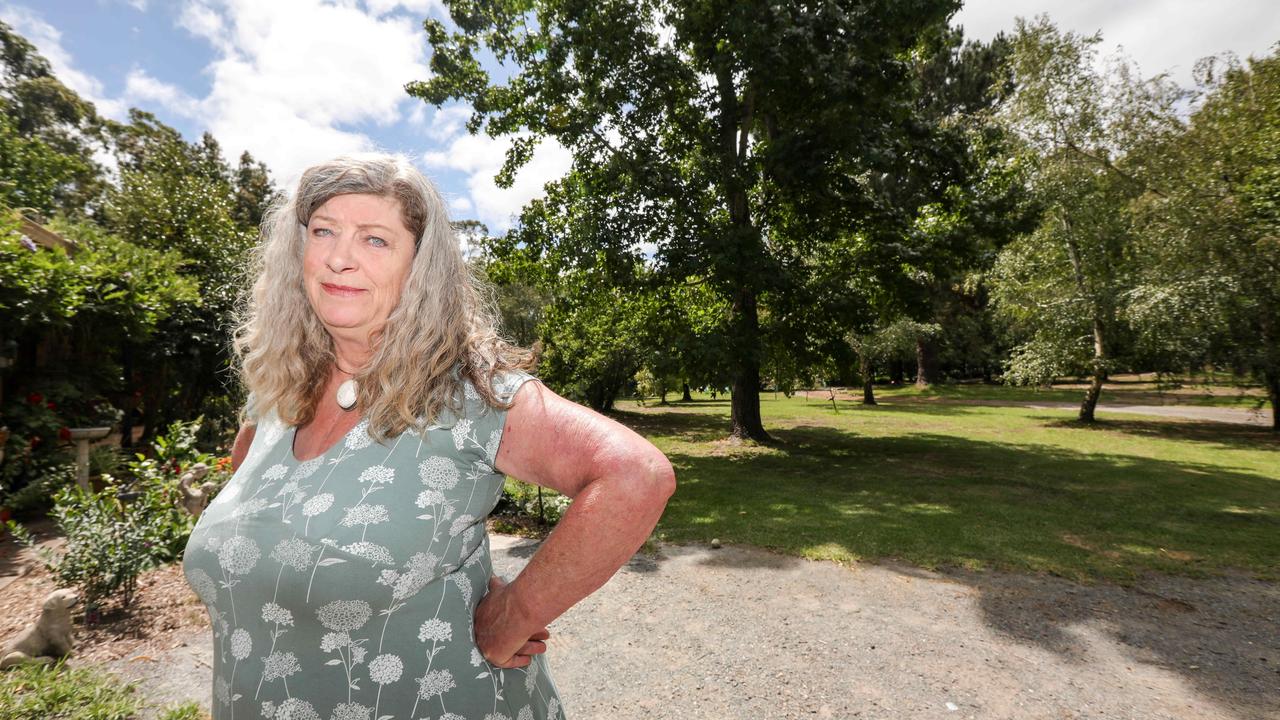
(701, 634)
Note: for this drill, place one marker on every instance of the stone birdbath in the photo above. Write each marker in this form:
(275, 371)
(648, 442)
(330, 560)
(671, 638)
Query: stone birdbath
(82, 437)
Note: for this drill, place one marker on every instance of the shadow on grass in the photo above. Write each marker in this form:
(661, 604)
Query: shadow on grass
(1245, 437)
(1061, 520)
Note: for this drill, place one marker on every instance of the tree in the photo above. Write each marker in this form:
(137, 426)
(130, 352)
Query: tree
(1209, 290)
(1064, 284)
(713, 115)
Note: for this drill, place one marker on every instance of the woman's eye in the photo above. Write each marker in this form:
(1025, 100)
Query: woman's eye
(377, 241)
(321, 232)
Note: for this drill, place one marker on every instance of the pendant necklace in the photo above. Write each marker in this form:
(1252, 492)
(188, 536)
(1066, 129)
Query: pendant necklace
(346, 395)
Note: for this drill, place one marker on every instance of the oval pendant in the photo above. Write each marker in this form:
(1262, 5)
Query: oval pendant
(347, 394)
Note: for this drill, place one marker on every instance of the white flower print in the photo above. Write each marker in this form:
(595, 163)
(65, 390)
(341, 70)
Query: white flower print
(268, 709)
(435, 682)
(464, 585)
(357, 653)
(491, 448)
(462, 522)
(241, 644)
(469, 534)
(213, 543)
(553, 709)
(469, 391)
(206, 589)
(317, 504)
(273, 613)
(238, 555)
(372, 552)
(280, 665)
(275, 472)
(476, 657)
(365, 514)
(460, 430)
(388, 577)
(526, 713)
(385, 669)
(417, 575)
(295, 709)
(358, 438)
(427, 498)
(249, 507)
(308, 468)
(222, 690)
(334, 640)
(378, 475)
(451, 716)
(288, 488)
(438, 472)
(351, 711)
(344, 615)
(496, 716)
(531, 678)
(293, 552)
(435, 629)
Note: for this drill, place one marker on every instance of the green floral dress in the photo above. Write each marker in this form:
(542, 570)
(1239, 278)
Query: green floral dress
(344, 587)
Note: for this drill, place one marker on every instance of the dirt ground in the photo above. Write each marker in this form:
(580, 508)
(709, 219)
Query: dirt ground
(709, 634)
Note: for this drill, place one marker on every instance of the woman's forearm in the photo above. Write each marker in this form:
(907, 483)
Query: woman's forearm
(608, 521)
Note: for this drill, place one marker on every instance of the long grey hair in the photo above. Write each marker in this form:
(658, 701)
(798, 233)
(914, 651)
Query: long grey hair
(442, 331)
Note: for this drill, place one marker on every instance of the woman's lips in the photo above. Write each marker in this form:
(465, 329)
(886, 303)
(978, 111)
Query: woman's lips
(341, 290)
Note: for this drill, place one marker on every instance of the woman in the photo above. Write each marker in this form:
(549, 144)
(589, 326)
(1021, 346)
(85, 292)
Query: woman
(345, 566)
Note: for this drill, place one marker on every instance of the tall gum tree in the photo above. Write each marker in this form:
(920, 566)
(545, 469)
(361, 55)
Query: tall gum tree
(715, 112)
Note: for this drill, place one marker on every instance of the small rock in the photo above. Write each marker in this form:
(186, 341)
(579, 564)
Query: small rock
(952, 707)
(715, 543)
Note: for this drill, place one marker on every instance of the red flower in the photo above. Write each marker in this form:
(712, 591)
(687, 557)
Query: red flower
(35, 398)
(64, 434)
(51, 405)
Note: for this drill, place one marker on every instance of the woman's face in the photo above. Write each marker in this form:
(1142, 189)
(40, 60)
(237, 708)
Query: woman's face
(357, 255)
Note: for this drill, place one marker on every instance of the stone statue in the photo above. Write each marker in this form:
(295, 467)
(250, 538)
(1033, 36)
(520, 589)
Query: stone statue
(48, 638)
(196, 497)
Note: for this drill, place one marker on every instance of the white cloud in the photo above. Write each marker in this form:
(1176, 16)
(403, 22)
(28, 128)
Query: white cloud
(421, 7)
(1161, 35)
(141, 88)
(460, 205)
(291, 74)
(480, 157)
(48, 41)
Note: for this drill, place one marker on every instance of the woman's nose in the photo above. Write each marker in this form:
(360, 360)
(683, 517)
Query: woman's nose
(341, 256)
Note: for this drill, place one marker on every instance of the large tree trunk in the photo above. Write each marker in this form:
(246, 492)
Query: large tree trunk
(868, 380)
(1099, 375)
(745, 399)
(926, 363)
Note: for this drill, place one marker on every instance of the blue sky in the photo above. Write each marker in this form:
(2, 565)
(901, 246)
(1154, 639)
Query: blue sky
(297, 81)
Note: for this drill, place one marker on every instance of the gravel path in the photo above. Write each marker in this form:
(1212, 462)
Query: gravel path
(701, 634)
(1236, 416)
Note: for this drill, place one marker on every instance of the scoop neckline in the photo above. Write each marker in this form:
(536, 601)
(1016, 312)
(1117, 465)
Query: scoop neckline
(293, 438)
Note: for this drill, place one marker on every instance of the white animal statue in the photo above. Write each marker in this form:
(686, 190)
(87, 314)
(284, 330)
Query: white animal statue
(196, 497)
(48, 638)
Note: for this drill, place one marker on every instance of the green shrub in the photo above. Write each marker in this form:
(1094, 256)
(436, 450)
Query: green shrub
(532, 502)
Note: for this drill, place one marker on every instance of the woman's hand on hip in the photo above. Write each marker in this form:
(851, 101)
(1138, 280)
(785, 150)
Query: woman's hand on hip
(497, 633)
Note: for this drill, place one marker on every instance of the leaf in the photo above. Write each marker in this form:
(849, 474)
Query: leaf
(334, 661)
(385, 717)
(237, 696)
(425, 517)
(482, 675)
(330, 561)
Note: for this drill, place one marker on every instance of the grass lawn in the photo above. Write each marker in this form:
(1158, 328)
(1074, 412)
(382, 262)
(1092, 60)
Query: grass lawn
(977, 486)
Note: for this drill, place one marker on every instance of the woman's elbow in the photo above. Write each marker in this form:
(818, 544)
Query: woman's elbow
(660, 478)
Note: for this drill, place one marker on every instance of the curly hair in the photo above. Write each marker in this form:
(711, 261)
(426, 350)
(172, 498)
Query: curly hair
(442, 331)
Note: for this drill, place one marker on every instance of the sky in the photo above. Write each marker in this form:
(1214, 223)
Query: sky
(295, 82)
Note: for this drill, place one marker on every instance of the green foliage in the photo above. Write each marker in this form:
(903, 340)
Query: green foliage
(64, 693)
(533, 502)
(186, 711)
(106, 547)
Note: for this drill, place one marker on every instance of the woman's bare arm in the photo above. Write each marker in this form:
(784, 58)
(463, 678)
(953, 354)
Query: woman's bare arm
(240, 448)
(620, 484)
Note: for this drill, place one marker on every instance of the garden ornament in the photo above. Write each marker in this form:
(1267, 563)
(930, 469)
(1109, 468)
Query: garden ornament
(196, 497)
(48, 638)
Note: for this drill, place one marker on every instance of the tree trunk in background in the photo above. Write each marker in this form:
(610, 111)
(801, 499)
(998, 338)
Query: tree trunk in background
(926, 363)
(1099, 374)
(745, 401)
(688, 397)
(868, 380)
(1273, 391)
